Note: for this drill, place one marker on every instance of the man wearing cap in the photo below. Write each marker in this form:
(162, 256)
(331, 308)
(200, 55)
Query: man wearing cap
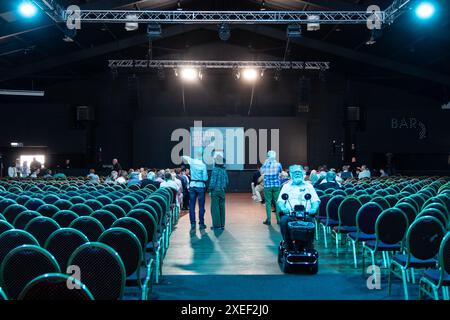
(296, 189)
(271, 170)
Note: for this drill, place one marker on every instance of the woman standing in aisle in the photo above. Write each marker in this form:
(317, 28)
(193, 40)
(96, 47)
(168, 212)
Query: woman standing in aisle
(217, 185)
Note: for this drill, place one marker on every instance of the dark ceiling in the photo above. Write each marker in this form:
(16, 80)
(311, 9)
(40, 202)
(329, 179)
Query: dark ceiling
(410, 54)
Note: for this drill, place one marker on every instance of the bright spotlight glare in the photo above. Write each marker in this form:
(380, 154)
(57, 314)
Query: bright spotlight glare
(189, 74)
(27, 9)
(425, 10)
(249, 74)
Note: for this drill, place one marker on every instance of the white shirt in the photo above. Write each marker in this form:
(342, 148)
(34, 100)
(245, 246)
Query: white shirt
(364, 174)
(121, 180)
(169, 184)
(297, 195)
(12, 172)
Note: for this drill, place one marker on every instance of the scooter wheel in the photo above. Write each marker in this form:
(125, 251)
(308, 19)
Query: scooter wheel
(314, 269)
(285, 266)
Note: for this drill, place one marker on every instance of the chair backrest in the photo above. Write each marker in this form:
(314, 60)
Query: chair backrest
(50, 198)
(444, 258)
(115, 209)
(94, 204)
(33, 204)
(105, 217)
(13, 238)
(367, 216)
(81, 209)
(407, 209)
(127, 245)
(391, 199)
(124, 204)
(22, 265)
(47, 210)
(424, 237)
(5, 226)
(64, 218)
(89, 226)
(411, 201)
(147, 220)
(62, 243)
(41, 228)
(348, 210)
(54, 286)
(5, 203)
(438, 206)
(391, 226)
(133, 201)
(333, 206)
(323, 205)
(12, 211)
(364, 198)
(418, 199)
(156, 209)
(63, 204)
(135, 226)
(434, 213)
(76, 199)
(24, 217)
(104, 200)
(382, 202)
(102, 268)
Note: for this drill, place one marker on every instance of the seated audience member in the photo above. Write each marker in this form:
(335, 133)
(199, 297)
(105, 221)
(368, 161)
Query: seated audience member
(364, 173)
(313, 177)
(134, 178)
(93, 177)
(284, 177)
(254, 182)
(169, 182)
(18, 169)
(122, 179)
(259, 189)
(346, 173)
(383, 173)
(48, 174)
(307, 171)
(149, 178)
(160, 176)
(330, 182)
(59, 175)
(35, 173)
(111, 179)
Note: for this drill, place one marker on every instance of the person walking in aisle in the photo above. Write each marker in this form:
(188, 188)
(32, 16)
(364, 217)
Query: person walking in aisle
(197, 188)
(217, 185)
(271, 169)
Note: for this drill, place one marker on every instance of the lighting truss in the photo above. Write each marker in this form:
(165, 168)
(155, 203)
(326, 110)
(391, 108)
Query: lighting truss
(209, 64)
(58, 14)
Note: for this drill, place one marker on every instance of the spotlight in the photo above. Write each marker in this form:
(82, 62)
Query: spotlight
(131, 26)
(224, 32)
(425, 10)
(27, 9)
(294, 31)
(263, 5)
(189, 74)
(249, 74)
(154, 30)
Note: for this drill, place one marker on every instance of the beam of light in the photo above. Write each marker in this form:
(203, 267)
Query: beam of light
(189, 74)
(249, 74)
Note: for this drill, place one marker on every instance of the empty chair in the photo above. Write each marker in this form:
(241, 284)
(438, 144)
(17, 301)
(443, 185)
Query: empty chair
(47, 210)
(390, 231)
(411, 202)
(442, 217)
(24, 217)
(33, 204)
(62, 243)
(81, 209)
(12, 211)
(94, 204)
(63, 204)
(103, 270)
(364, 198)
(127, 245)
(434, 279)
(5, 203)
(64, 218)
(347, 212)
(125, 205)
(90, 227)
(366, 218)
(5, 226)
(332, 218)
(13, 238)
(115, 209)
(105, 217)
(407, 209)
(22, 265)
(41, 228)
(382, 202)
(133, 201)
(53, 286)
(50, 198)
(423, 240)
(77, 199)
(104, 200)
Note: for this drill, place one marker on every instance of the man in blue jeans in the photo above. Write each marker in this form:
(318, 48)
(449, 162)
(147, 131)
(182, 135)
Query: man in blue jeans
(197, 188)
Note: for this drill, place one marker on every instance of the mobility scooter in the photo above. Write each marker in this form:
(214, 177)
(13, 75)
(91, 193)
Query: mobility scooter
(299, 255)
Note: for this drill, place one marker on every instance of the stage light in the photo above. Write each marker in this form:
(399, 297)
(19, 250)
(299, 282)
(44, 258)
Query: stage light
(224, 32)
(27, 9)
(425, 10)
(249, 74)
(189, 74)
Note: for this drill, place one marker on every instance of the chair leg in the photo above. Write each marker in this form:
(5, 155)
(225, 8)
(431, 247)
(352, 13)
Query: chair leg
(383, 253)
(325, 236)
(372, 255)
(391, 271)
(363, 262)
(355, 261)
(337, 244)
(413, 276)
(445, 293)
(436, 293)
(316, 226)
(405, 284)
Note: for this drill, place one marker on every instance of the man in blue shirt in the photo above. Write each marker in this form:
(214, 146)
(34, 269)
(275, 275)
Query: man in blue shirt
(197, 188)
(271, 170)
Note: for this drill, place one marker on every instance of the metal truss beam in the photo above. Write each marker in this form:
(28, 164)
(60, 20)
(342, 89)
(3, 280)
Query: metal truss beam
(395, 10)
(210, 64)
